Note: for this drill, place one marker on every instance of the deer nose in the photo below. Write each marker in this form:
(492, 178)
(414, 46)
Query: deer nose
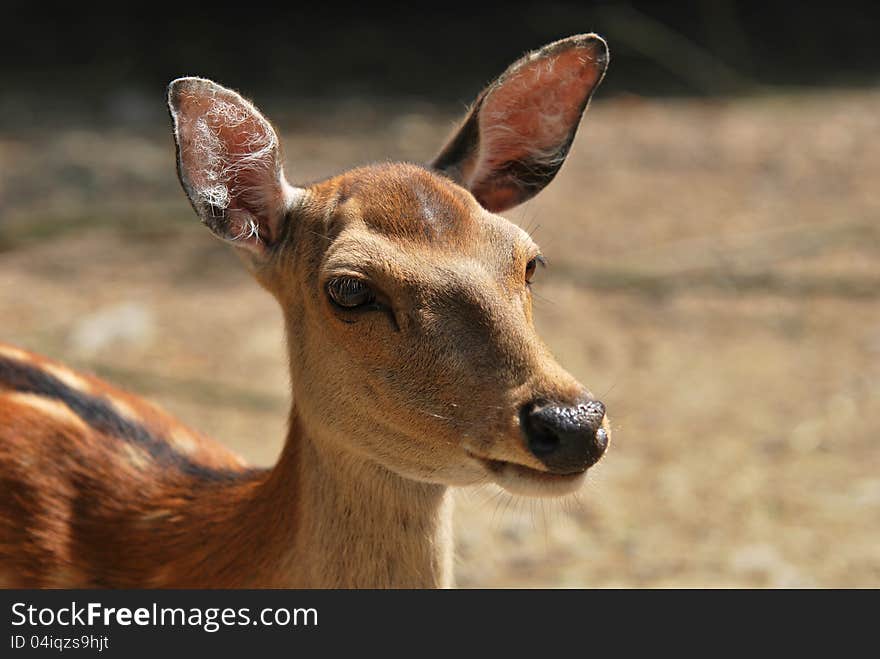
(565, 438)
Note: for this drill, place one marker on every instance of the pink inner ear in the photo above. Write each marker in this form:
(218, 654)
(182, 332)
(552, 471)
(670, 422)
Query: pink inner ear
(229, 155)
(532, 112)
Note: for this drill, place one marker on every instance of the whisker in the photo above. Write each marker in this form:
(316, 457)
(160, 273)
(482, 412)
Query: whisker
(610, 389)
(501, 503)
(542, 298)
(323, 237)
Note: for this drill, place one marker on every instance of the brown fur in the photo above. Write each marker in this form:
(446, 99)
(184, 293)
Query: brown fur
(391, 406)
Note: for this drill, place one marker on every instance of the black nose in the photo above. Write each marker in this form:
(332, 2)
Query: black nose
(565, 438)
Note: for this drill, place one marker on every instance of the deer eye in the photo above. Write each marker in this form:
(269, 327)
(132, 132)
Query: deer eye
(531, 266)
(350, 293)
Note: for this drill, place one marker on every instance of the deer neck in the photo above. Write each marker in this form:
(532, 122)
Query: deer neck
(355, 524)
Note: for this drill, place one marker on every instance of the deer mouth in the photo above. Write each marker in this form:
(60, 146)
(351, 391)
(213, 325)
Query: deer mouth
(522, 480)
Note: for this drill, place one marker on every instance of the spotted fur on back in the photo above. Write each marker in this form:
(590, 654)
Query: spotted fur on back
(69, 442)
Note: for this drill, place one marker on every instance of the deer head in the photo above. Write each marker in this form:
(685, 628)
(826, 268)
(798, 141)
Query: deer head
(406, 296)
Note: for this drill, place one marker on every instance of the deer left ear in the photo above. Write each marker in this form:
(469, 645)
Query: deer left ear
(519, 131)
(229, 163)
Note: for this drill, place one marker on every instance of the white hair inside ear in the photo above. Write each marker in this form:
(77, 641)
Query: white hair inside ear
(229, 164)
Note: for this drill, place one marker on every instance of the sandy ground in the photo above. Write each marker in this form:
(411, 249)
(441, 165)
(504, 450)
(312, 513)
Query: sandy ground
(714, 277)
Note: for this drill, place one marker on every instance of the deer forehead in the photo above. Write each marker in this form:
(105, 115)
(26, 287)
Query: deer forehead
(408, 217)
(404, 201)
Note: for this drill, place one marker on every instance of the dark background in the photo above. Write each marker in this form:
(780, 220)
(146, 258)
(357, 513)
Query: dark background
(441, 52)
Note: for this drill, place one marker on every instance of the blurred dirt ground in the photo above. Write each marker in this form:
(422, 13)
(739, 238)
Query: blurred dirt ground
(714, 277)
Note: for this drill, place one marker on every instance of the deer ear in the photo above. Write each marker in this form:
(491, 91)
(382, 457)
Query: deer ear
(518, 132)
(229, 164)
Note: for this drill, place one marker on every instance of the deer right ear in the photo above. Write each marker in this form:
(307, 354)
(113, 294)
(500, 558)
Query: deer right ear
(520, 128)
(229, 163)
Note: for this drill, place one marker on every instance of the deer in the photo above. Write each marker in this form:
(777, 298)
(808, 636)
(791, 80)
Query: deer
(415, 366)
